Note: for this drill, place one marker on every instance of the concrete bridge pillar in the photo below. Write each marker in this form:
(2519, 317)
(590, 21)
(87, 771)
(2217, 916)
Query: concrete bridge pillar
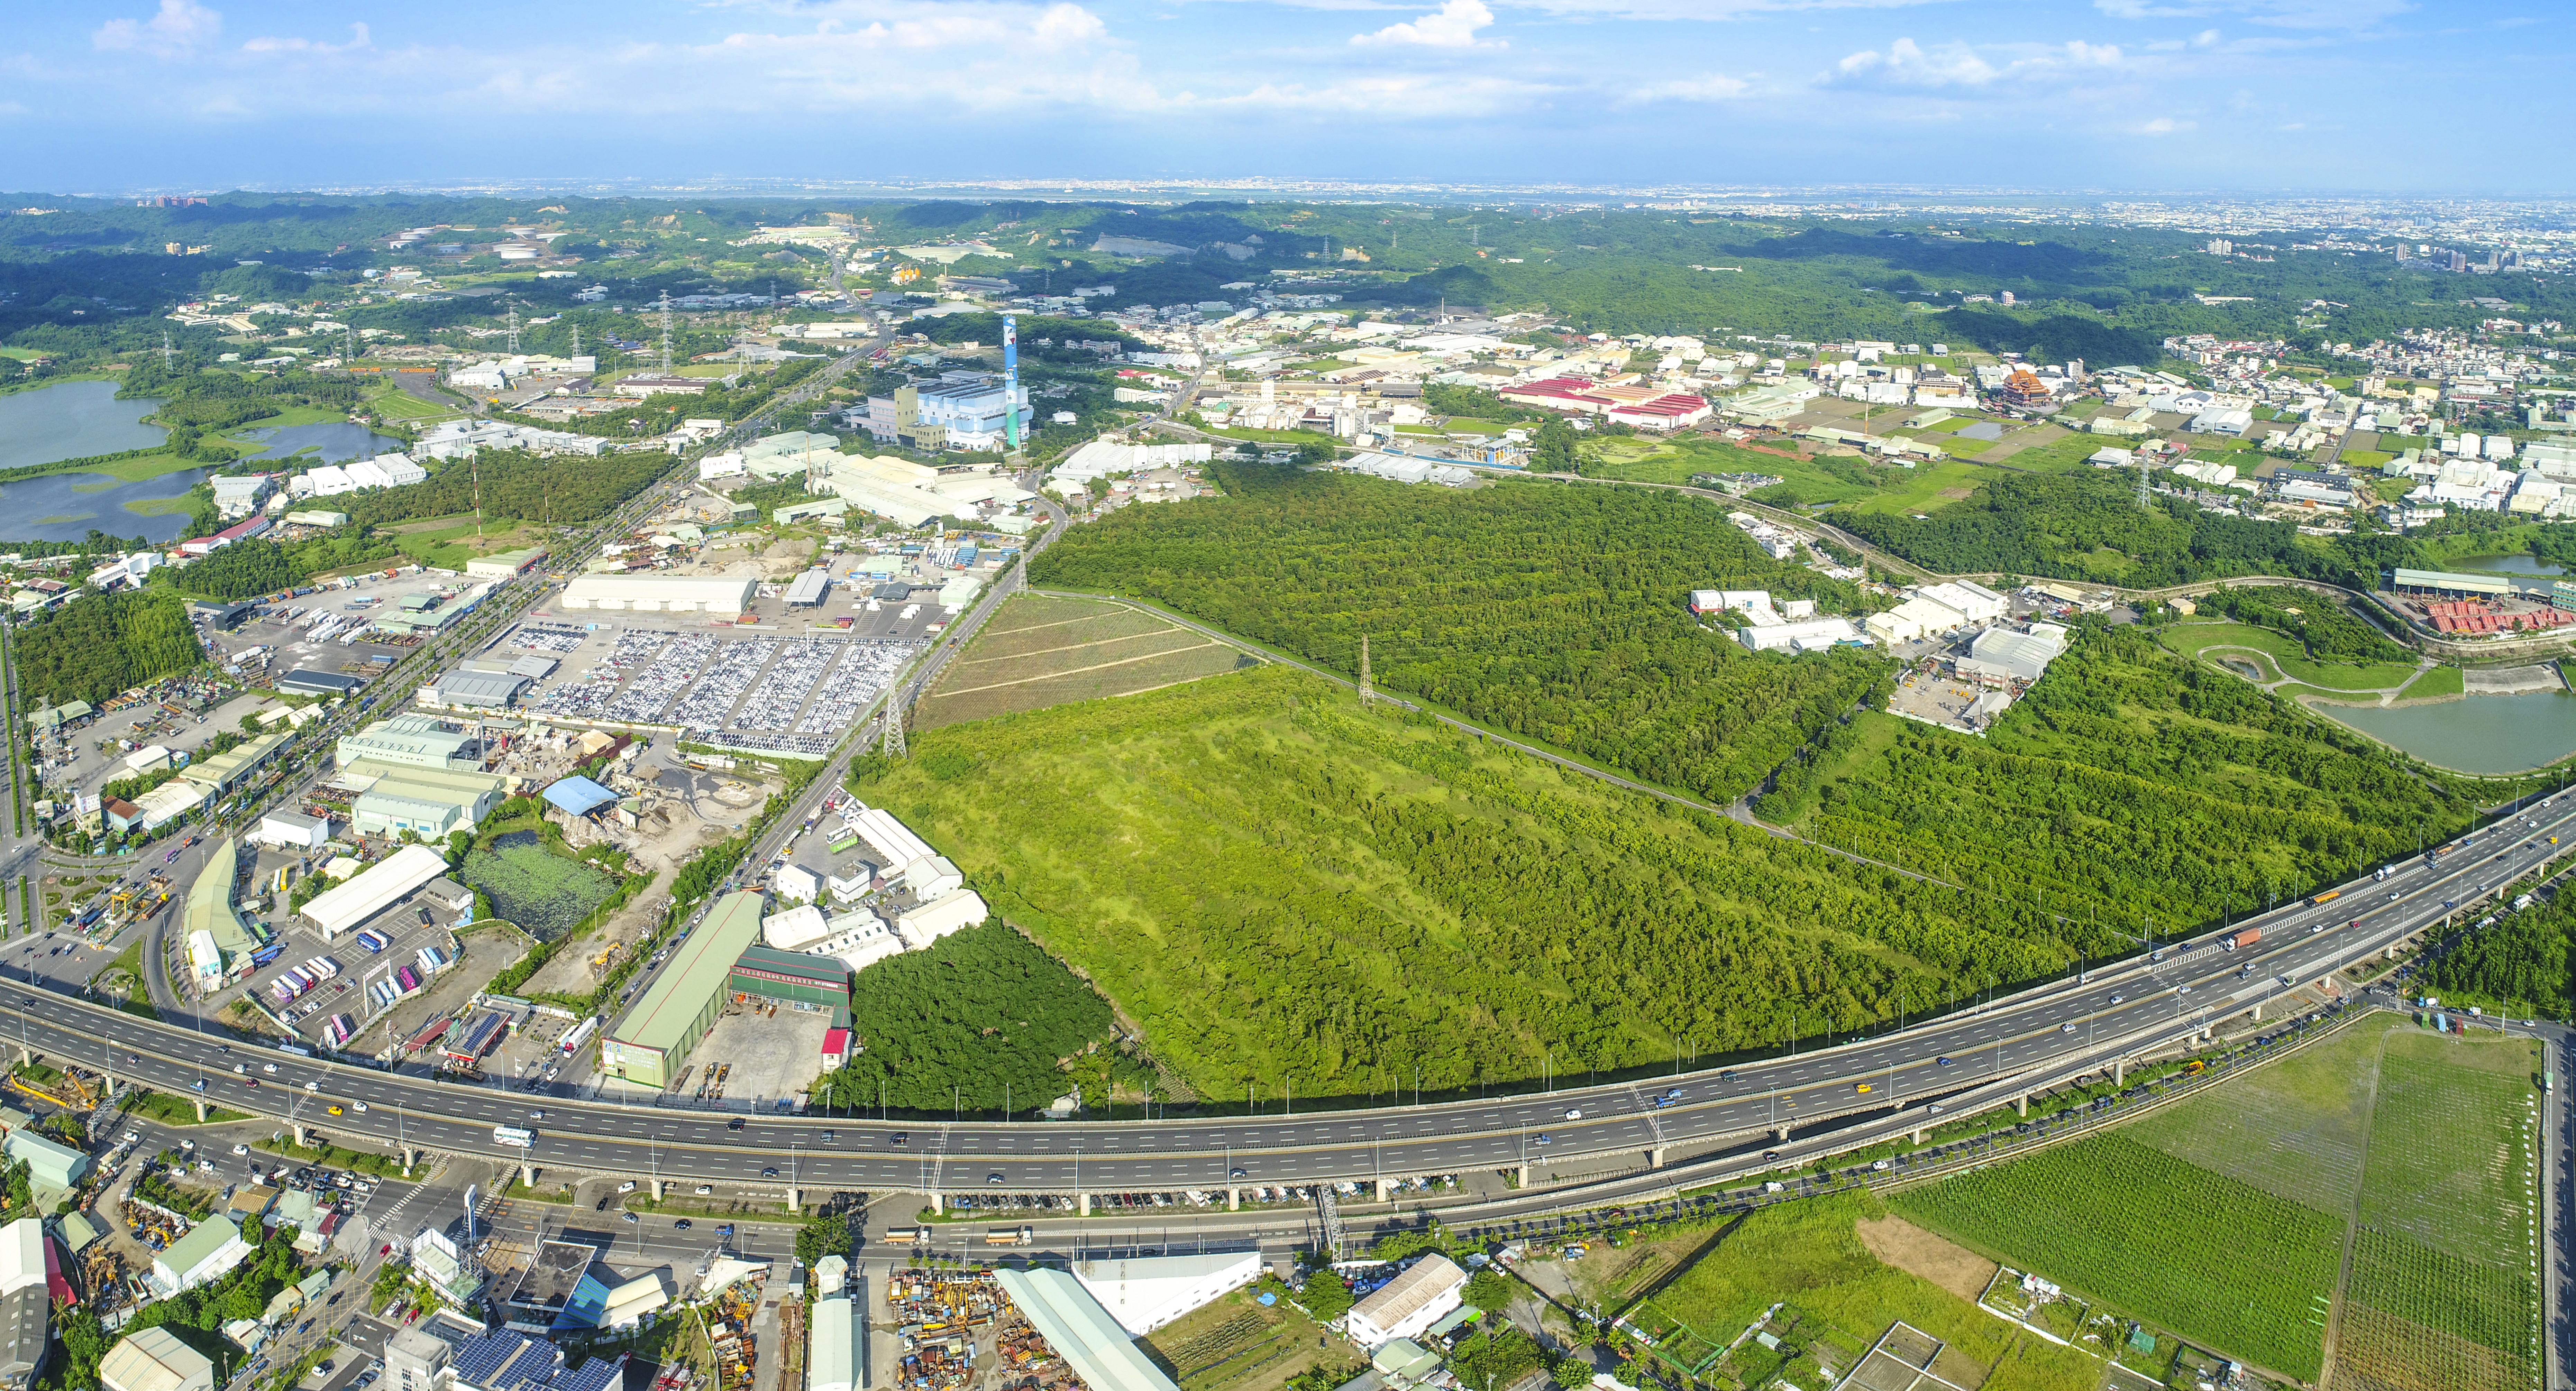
(303, 1135)
(795, 1200)
(201, 1110)
(659, 1185)
(1780, 1134)
(1082, 1202)
(527, 1176)
(2021, 1106)
(410, 1158)
(938, 1204)
(2258, 1009)
(2120, 1072)
(1918, 1137)
(1234, 1200)
(1523, 1173)
(1655, 1157)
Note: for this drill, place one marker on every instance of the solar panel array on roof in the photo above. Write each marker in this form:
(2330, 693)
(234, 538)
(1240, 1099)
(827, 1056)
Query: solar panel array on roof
(508, 1361)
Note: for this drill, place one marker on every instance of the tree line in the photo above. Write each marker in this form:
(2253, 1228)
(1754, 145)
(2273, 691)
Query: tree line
(2323, 626)
(563, 490)
(983, 1019)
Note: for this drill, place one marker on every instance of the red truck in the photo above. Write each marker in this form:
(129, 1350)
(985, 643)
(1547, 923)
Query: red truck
(2246, 938)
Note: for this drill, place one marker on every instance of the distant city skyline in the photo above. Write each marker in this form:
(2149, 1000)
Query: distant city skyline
(2242, 97)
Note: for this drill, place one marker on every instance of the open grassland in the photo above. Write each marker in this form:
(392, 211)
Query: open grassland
(2295, 1129)
(1810, 1254)
(1929, 487)
(1041, 651)
(2157, 1238)
(2278, 656)
(1274, 883)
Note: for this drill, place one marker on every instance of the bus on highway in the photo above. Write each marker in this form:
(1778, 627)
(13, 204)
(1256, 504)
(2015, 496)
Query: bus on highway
(514, 1136)
(2327, 897)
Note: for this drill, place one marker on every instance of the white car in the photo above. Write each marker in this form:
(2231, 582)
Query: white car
(1574, 1113)
(241, 1149)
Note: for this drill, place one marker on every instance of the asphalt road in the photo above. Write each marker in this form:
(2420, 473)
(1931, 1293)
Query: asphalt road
(2042, 1034)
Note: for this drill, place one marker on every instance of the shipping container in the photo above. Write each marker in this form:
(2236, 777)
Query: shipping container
(2245, 938)
(1010, 1236)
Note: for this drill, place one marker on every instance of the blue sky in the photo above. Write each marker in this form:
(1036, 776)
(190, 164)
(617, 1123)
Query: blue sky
(2244, 95)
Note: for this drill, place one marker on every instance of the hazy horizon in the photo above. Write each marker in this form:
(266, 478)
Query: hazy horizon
(2158, 98)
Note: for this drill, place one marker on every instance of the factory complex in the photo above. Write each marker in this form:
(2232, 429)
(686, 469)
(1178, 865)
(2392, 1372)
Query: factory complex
(797, 957)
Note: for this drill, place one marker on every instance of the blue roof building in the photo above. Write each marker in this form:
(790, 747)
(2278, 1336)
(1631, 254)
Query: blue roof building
(578, 796)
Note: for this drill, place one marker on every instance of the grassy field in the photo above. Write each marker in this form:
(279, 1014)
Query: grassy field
(2155, 1237)
(2280, 656)
(1810, 1255)
(2295, 1129)
(1041, 651)
(1928, 488)
(1275, 885)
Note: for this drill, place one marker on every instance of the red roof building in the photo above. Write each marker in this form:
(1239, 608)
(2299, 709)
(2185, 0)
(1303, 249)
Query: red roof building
(1570, 394)
(1673, 411)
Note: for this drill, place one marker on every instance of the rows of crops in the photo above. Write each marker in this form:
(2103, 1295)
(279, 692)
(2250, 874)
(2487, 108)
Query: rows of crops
(2378, 1351)
(2449, 1163)
(2160, 1239)
(2485, 1304)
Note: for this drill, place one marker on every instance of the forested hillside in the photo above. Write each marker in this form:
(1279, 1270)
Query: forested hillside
(1280, 888)
(100, 644)
(1560, 613)
(564, 490)
(2087, 526)
(2131, 786)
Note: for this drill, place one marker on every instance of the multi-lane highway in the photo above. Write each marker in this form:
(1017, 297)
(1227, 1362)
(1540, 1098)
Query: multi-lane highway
(1721, 1118)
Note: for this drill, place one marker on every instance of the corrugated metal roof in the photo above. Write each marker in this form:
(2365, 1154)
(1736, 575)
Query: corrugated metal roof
(697, 971)
(578, 796)
(1080, 1331)
(826, 971)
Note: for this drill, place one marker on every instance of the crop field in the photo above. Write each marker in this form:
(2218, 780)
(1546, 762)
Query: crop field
(2158, 1238)
(2441, 1296)
(2450, 1162)
(1236, 1344)
(2225, 1218)
(2295, 1129)
(1041, 651)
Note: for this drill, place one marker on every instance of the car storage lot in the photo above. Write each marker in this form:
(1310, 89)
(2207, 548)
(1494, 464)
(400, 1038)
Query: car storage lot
(782, 683)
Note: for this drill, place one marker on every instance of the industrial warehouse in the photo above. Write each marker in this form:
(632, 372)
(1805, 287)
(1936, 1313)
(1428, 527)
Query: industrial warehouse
(777, 984)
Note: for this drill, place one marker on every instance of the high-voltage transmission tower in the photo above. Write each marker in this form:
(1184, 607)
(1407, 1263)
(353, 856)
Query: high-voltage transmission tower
(166, 350)
(514, 328)
(893, 746)
(1368, 691)
(2142, 480)
(666, 333)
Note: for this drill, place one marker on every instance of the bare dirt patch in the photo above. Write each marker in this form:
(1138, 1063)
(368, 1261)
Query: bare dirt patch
(1917, 1252)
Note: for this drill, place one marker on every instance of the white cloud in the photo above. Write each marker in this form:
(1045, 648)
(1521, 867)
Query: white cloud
(357, 39)
(2288, 14)
(178, 26)
(1453, 25)
(1400, 96)
(1706, 87)
(2166, 125)
(1956, 65)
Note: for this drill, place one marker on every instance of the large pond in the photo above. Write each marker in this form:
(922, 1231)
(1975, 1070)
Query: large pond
(328, 442)
(2482, 734)
(68, 506)
(72, 420)
(2508, 565)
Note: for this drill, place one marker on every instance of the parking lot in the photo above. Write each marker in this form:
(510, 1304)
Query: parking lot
(194, 713)
(787, 687)
(759, 1054)
(318, 631)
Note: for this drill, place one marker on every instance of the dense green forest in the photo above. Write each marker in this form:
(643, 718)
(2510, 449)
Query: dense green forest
(2523, 962)
(558, 489)
(238, 571)
(1558, 612)
(98, 645)
(983, 1019)
(2087, 525)
(2329, 631)
(1282, 890)
(2131, 787)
